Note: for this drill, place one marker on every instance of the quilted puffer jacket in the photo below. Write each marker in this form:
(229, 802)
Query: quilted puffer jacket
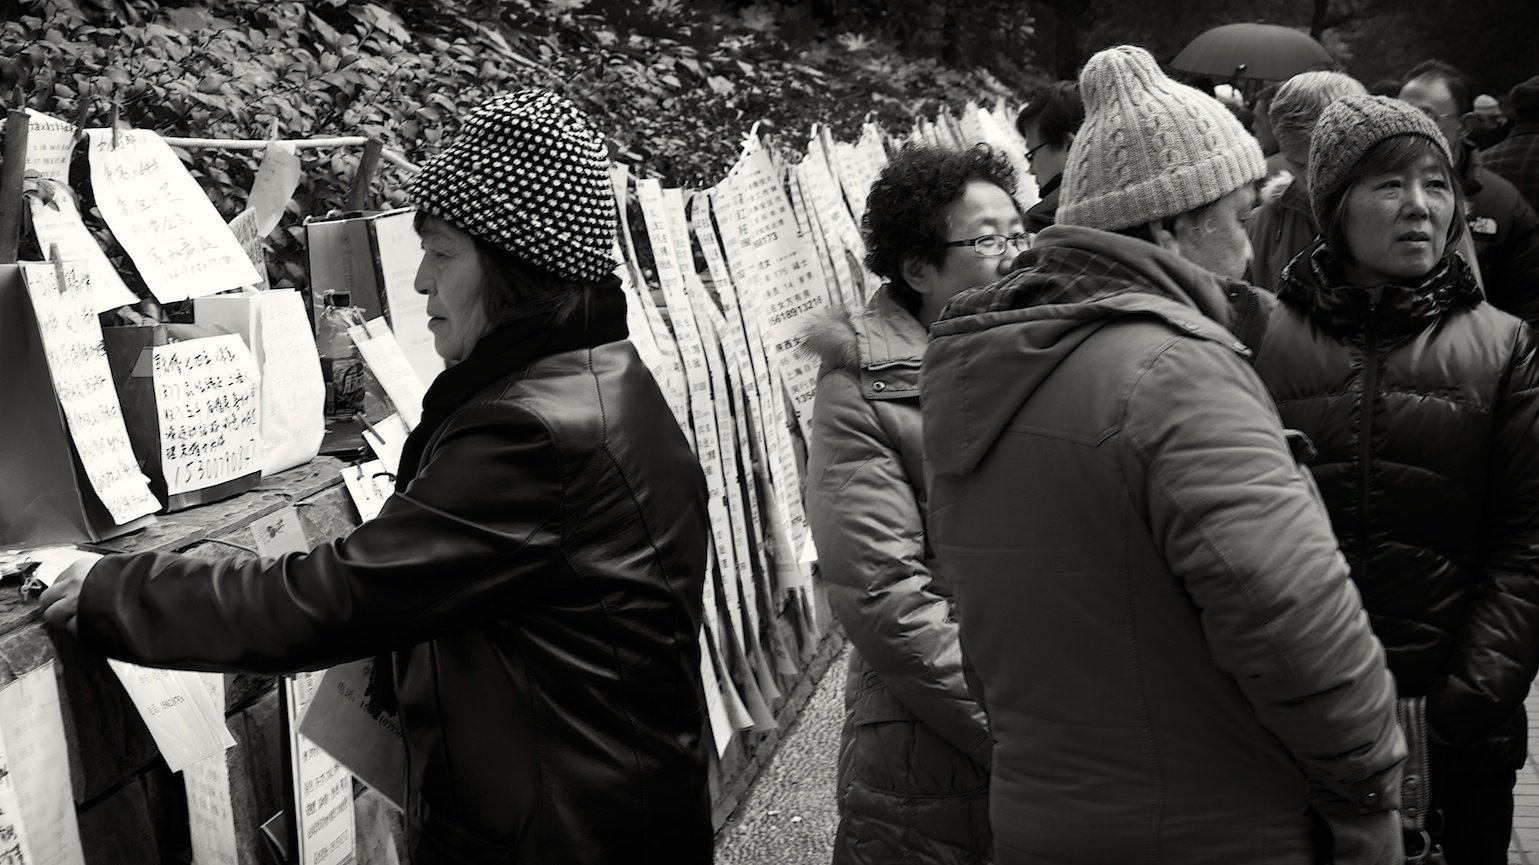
(1174, 662)
(1423, 404)
(913, 769)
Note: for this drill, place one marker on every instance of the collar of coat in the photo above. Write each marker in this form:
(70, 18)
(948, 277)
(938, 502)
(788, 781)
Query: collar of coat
(882, 344)
(1316, 283)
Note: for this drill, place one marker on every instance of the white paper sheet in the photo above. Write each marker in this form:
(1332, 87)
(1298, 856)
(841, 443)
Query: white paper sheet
(715, 705)
(32, 726)
(58, 223)
(206, 397)
(160, 215)
(176, 707)
(400, 254)
(369, 484)
(387, 438)
(274, 185)
(72, 341)
(210, 813)
(293, 393)
(323, 788)
(50, 141)
(15, 846)
(279, 532)
(391, 369)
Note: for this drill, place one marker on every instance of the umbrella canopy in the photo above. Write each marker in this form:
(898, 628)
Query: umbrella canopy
(1259, 52)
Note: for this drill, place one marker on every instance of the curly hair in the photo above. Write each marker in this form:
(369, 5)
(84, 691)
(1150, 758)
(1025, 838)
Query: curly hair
(905, 211)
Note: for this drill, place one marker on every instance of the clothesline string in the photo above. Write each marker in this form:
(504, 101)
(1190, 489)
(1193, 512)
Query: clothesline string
(303, 143)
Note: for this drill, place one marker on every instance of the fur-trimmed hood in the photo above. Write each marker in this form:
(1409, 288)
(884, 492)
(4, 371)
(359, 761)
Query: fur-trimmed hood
(1274, 187)
(883, 343)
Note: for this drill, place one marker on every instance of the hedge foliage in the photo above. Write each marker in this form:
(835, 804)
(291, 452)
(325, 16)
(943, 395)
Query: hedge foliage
(675, 85)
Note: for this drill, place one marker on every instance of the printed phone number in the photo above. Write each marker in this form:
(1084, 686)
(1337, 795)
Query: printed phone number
(214, 469)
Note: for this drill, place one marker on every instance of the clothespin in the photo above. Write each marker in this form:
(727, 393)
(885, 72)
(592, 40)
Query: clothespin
(112, 121)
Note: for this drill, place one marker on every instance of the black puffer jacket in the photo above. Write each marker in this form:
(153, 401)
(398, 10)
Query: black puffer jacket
(1423, 404)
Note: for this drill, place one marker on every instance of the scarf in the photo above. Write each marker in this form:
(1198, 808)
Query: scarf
(505, 351)
(1316, 282)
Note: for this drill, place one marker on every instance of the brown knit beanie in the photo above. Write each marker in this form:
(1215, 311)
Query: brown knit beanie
(1349, 128)
(1149, 147)
(528, 173)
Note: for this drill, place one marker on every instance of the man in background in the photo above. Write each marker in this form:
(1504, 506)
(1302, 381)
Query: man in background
(1517, 158)
(1049, 123)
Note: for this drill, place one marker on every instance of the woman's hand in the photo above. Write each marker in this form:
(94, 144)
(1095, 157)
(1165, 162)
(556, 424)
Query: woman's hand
(61, 601)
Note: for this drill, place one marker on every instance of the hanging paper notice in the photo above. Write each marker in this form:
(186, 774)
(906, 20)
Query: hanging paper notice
(72, 341)
(715, 704)
(50, 141)
(244, 228)
(395, 373)
(210, 813)
(206, 398)
(274, 185)
(32, 726)
(15, 849)
(323, 788)
(176, 707)
(160, 215)
(58, 223)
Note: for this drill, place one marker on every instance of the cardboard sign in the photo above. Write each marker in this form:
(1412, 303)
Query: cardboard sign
(72, 340)
(160, 215)
(206, 396)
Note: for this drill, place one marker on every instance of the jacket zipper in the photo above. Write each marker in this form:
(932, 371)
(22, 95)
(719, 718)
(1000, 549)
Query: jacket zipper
(1365, 434)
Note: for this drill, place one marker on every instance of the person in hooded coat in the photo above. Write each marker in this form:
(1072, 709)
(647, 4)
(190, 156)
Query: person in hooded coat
(1155, 616)
(915, 750)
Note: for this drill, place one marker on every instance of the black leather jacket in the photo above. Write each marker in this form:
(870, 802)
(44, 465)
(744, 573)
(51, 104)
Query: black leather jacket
(1423, 405)
(540, 584)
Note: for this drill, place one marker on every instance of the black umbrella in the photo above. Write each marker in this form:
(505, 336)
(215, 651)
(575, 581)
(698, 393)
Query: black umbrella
(1258, 52)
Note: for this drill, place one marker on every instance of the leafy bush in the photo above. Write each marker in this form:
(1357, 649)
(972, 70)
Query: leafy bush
(675, 87)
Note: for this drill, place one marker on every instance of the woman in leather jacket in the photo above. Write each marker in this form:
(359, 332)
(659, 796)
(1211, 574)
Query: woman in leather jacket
(1422, 401)
(534, 584)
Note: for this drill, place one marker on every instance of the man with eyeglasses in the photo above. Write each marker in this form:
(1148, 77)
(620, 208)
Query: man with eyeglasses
(1502, 224)
(1048, 123)
(914, 765)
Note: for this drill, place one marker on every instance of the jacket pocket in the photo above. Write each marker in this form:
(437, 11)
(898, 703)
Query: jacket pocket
(891, 751)
(439, 840)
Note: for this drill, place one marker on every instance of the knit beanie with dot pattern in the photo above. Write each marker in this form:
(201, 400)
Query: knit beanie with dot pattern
(1350, 127)
(1149, 147)
(528, 173)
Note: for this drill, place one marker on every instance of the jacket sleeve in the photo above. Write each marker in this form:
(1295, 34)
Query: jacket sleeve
(474, 535)
(1497, 652)
(870, 539)
(1242, 526)
(1512, 278)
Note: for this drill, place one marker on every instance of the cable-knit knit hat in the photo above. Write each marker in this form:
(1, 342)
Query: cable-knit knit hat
(1149, 147)
(1349, 128)
(528, 173)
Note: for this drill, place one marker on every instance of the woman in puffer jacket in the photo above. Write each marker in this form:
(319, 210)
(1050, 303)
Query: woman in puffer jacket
(915, 752)
(1422, 401)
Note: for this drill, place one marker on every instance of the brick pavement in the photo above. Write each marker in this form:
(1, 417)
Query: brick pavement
(1525, 817)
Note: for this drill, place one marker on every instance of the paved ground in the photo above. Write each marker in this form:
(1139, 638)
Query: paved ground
(788, 817)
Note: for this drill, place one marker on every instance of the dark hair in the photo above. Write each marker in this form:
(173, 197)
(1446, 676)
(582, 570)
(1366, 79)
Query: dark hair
(1457, 82)
(1057, 111)
(1385, 87)
(514, 289)
(905, 211)
(1392, 154)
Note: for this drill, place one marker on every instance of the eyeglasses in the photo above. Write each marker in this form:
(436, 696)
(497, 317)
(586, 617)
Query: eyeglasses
(1033, 150)
(1435, 117)
(992, 245)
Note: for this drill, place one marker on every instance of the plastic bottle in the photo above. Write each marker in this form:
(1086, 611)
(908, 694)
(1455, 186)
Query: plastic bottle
(341, 363)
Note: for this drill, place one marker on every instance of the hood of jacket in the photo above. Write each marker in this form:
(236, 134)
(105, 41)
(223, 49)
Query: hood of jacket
(883, 344)
(994, 346)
